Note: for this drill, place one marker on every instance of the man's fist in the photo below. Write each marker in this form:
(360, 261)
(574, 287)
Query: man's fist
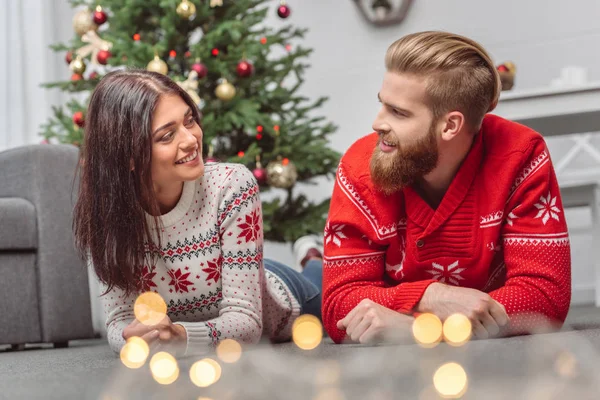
(487, 316)
(370, 323)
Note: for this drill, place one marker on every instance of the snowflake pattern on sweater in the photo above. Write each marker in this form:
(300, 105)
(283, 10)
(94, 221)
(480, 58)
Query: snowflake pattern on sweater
(210, 270)
(500, 228)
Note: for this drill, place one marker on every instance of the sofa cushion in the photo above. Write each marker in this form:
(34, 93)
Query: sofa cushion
(18, 227)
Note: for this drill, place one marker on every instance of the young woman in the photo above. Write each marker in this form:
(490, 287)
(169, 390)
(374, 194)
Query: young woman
(151, 216)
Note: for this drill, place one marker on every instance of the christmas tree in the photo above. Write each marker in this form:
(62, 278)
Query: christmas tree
(244, 76)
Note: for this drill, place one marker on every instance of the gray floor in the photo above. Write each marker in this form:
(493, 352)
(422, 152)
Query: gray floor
(558, 365)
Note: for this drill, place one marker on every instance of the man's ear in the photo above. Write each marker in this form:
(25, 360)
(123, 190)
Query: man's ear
(453, 123)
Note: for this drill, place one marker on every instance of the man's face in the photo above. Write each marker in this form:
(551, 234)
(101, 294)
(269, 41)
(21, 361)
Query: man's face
(407, 148)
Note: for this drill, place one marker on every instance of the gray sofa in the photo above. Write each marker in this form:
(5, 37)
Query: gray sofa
(44, 290)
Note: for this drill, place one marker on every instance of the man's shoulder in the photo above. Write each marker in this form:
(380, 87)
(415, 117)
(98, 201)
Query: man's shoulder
(504, 138)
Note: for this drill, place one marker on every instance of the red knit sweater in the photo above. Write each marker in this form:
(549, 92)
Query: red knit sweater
(500, 228)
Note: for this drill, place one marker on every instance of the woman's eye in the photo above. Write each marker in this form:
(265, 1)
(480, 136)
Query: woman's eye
(190, 122)
(167, 137)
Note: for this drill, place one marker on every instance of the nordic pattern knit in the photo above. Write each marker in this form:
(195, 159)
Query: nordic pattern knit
(500, 228)
(210, 272)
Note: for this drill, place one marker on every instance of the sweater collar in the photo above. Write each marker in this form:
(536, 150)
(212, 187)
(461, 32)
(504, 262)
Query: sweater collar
(182, 207)
(429, 219)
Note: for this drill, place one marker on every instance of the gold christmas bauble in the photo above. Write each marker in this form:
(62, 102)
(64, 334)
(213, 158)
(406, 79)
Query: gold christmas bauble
(186, 9)
(158, 65)
(83, 22)
(225, 91)
(282, 173)
(77, 66)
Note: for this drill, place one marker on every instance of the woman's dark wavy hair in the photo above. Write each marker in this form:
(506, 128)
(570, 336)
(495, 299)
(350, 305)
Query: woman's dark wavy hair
(115, 189)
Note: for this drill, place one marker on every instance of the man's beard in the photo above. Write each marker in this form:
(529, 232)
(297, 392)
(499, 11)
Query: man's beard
(407, 164)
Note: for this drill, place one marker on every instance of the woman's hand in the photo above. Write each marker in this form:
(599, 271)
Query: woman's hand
(163, 333)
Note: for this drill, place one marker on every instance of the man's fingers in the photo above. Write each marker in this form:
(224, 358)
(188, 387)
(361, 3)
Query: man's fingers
(498, 312)
(357, 331)
(478, 330)
(489, 324)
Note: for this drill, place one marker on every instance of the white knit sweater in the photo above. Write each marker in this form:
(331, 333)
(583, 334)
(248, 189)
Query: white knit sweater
(211, 272)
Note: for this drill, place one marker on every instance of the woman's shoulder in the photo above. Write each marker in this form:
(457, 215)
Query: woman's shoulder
(223, 173)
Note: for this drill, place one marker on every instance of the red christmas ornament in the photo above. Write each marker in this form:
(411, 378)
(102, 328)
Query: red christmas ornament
(100, 16)
(260, 174)
(214, 52)
(285, 161)
(244, 69)
(276, 128)
(172, 54)
(288, 47)
(187, 54)
(259, 128)
(200, 69)
(241, 154)
(103, 56)
(93, 75)
(263, 40)
(69, 57)
(136, 37)
(76, 77)
(283, 11)
(78, 119)
(259, 136)
(502, 68)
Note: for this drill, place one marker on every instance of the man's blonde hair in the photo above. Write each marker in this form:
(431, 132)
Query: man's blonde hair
(460, 74)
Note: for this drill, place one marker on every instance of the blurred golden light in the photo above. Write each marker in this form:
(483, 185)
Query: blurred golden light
(150, 308)
(205, 372)
(307, 332)
(457, 329)
(204, 398)
(164, 368)
(229, 351)
(330, 394)
(135, 352)
(328, 373)
(427, 330)
(450, 380)
(566, 365)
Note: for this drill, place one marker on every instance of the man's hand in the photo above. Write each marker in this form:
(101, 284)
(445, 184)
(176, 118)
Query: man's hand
(370, 323)
(165, 332)
(487, 316)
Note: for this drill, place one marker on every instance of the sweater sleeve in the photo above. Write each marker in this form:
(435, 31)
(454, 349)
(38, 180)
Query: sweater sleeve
(118, 309)
(242, 270)
(354, 259)
(537, 291)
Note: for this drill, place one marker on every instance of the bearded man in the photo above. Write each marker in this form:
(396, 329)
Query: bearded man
(445, 208)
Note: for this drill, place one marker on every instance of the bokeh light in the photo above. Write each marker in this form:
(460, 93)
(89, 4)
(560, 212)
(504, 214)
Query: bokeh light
(427, 330)
(150, 308)
(566, 365)
(164, 368)
(135, 352)
(205, 372)
(457, 329)
(307, 332)
(330, 394)
(229, 351)
(450, 380)
(328, 373)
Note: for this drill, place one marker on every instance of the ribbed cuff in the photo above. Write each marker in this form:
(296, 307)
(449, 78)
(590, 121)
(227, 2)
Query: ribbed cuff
(198, 337)
(408, 294)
